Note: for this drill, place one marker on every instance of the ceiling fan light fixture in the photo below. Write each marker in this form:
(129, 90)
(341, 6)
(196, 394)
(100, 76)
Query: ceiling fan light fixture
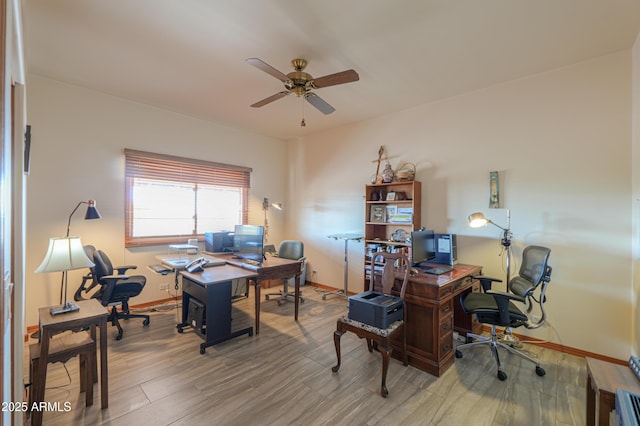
(301, 84)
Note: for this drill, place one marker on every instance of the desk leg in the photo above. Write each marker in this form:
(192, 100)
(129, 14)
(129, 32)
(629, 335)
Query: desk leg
(257, 285)
(297, 296)
(41, 377)
(591, 402)
(606, 404)
(104, 380)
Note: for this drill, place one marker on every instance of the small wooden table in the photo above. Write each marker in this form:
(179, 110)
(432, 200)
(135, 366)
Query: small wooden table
(90, 315)
(603, 378)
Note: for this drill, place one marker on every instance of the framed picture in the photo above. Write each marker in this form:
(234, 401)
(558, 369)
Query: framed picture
(378, 214)
(391, 196)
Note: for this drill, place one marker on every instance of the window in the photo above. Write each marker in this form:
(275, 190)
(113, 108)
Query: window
(170, 199)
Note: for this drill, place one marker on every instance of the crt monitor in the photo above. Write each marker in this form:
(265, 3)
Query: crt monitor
(422, 246)
(248, 242)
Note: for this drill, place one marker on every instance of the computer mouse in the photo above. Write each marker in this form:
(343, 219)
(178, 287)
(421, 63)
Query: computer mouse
(414, 271)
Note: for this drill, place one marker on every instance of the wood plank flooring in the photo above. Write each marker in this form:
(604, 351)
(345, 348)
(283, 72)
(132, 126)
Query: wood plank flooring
(283, 377)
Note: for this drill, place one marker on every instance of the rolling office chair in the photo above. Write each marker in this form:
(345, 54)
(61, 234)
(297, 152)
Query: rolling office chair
(294, 250)
(114, 289)
(497, 308)
(380, 338)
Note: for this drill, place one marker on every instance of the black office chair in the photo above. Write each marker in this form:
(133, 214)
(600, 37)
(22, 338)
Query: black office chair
(114, 289)
(294, 250)
(498, 308)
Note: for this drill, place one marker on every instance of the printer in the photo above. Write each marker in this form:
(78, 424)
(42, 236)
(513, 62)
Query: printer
(376, 309)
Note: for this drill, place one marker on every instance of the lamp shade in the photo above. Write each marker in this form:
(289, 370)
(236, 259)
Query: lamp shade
(92, 212)
(64, 254)
(477, 220)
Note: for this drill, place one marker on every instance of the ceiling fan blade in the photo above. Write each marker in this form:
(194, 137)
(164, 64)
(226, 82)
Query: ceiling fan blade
(261, 65)
(347, 76)
(319, 103)
(271, 99)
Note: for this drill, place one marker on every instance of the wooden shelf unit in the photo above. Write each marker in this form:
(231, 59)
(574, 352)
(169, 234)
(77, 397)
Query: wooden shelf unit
(378, 231)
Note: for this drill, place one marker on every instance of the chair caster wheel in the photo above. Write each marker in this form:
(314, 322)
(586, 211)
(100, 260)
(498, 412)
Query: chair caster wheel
(458, 354)
(502, 376)
(145, 322)
(301, 300)
(118, 336)
(279, 302)
(202, 350)
(180, 330)
(266, 297)
(540, 371)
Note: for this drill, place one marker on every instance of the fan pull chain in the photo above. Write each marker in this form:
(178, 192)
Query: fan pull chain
(302, 122)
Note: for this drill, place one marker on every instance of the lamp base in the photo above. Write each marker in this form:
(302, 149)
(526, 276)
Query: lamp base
(64, 309)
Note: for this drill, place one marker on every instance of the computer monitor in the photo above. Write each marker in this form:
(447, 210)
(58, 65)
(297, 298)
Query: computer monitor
(248, 242)
(218, 242)
(422, 246)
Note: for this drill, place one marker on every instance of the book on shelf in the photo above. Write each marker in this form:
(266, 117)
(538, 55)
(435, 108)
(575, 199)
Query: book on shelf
(401, 218)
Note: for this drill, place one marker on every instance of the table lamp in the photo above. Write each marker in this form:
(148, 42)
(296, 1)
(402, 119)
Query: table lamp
(64, 254)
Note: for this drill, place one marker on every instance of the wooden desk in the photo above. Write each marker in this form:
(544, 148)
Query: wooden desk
(434, 313)
(273, 268)
(603, 378)
(91, 314)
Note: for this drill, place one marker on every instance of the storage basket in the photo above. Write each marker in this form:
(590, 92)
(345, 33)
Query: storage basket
(406, 172)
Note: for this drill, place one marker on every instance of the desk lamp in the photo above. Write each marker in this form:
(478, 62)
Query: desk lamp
(64, 254)
(92, 212)
(477, 220)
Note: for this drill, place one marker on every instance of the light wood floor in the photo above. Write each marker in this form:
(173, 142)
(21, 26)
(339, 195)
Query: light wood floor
(283, 376)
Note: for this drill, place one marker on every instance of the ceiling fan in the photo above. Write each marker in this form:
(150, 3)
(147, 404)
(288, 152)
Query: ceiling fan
(301, 83)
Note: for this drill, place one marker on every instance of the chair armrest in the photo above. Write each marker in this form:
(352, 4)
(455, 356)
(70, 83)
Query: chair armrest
(506, 296)
(122, 269)
(502, 300)
(302, 259)
(114, 277)
(485, 281)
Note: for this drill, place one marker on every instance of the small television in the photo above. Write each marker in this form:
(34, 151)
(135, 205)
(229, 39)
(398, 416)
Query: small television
(423, 247)
(248, 242)
(218, 242)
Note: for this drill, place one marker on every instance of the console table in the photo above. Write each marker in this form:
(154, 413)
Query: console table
(434, 312)
(603, 378)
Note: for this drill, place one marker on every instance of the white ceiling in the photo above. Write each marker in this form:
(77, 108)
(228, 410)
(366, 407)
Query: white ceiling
(189, 55)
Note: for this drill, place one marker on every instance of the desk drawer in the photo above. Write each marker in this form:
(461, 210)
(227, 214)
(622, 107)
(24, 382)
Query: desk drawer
(446, 345)
(446, 308)
(446, 325)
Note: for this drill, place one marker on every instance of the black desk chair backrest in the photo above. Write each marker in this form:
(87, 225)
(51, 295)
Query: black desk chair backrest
(115, 288)
(533, 272)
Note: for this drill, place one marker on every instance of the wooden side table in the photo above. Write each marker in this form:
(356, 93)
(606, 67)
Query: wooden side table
(603, 378)
(90, 315)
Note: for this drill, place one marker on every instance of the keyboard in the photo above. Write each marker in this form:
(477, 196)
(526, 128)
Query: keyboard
(251, 266)
(214, 261)
(437, 270)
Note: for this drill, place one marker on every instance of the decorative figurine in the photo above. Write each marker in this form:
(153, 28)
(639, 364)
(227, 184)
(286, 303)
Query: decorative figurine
(387, 174)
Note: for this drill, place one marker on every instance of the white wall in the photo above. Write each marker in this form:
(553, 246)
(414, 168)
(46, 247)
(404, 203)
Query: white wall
(636, 190)
(78, 138)
(562, 142)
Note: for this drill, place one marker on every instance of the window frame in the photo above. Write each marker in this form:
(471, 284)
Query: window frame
(162, 167)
